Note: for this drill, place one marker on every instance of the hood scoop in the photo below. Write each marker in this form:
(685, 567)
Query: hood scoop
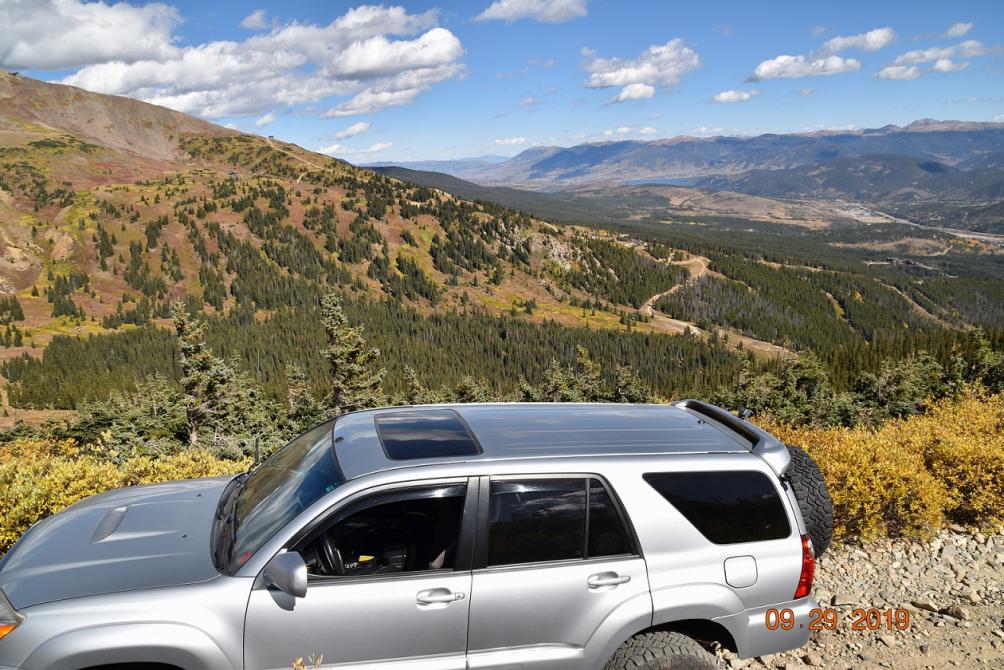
(109, 524)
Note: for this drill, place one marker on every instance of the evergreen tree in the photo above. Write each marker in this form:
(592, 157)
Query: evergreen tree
(582, 382)
(204, 377)
(305, 409)
(355, 381)
(629, 388)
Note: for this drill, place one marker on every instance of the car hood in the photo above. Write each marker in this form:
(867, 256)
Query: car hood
(134, 538)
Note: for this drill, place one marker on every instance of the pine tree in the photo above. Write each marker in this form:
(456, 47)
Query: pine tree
(355, 381)
(204, 377)
(305, 409)
(629, 388)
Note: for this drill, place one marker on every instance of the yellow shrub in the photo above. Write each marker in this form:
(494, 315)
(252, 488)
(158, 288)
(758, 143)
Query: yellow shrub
(905, 477)
(29, 449)
(879, 487)
(963, 446)
(38, 487)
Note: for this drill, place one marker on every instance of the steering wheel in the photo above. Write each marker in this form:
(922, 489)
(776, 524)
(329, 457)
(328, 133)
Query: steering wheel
(330, 557)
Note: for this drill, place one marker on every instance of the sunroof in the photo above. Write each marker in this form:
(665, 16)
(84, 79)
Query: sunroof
(425, 433)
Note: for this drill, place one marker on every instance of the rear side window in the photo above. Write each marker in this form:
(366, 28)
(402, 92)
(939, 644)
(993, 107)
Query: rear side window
(727, 507)
(537, 520)
(607, 535)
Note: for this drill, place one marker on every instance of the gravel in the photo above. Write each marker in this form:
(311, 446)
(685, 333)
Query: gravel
(953, 587)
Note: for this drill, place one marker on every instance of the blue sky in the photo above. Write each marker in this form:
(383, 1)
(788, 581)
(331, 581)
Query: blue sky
(435, 80)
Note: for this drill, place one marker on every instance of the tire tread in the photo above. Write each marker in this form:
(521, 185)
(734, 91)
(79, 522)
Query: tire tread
(813, 498)
(661, 650)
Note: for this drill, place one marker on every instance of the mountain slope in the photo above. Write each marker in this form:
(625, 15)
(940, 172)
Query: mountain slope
(554, 206)
(98, 238)
(98, 235)
(870, 178)
(112, 122)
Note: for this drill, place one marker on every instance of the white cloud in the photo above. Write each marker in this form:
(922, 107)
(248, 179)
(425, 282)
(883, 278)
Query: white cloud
(545, 11)
(529, 101)
(255, 20)
(948, 65)
(800, 66)
(635, 92)
(806, 92)
(380, 56)
(342, 150)
(357, 128)
(265, 120)
(659, 65)
(999, 117)
(735, 95)
(623, 130)
(967, 49)
(61, 34)
(943, 59)
(958, 29)
(370, 101)
(898, 72)
(818, 31)
(873, 40)
(377, 148)
(334, 150)
(510, 141)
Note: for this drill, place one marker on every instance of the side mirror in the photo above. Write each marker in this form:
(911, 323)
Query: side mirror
(288, 573)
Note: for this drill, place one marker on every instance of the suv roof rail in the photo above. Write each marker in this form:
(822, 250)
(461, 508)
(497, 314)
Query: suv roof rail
(721, 416)
(761, 443)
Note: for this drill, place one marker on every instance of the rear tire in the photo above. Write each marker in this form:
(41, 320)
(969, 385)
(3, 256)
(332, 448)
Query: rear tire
(661, 650)
(813, 498)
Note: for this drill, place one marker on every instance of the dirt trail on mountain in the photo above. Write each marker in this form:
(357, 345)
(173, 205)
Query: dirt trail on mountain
(300, 176)
(697, 267)
(917, 307)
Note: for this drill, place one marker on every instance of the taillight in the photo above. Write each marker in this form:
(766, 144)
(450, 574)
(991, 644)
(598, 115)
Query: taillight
(808, 569)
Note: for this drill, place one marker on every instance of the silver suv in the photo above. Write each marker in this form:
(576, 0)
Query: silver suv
(450, 537)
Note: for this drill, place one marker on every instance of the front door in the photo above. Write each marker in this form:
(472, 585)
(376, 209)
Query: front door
(389, 587)
(557, 564)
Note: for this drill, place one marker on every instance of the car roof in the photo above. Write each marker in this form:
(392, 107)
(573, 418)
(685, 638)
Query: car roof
(519, 431)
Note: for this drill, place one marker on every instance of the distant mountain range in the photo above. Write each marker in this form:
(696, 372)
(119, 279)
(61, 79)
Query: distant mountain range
(453, 166)
(956, 144)
(870, 178)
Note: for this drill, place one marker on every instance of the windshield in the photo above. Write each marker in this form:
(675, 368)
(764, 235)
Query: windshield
(288, 482)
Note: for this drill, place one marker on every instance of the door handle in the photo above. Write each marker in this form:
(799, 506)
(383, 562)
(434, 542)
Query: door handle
(438, 597)
(601, 579)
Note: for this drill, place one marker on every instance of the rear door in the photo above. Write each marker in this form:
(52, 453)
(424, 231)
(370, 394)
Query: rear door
(556, 567)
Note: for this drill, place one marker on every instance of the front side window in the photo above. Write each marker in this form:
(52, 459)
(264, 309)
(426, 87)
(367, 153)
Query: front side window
(411, 530)
(538, 520)
(726, 507)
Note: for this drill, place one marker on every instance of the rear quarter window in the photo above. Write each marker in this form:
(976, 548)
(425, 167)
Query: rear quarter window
(726, 507)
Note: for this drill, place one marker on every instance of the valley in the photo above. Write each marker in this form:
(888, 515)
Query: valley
(450, 278)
